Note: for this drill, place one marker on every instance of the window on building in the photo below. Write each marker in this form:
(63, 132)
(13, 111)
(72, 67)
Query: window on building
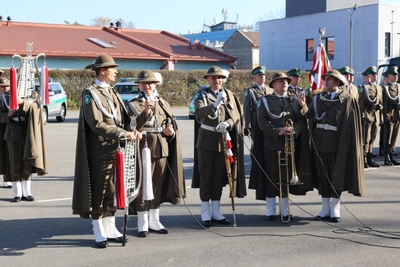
(387, 44)
(329, 43)
(309, 49)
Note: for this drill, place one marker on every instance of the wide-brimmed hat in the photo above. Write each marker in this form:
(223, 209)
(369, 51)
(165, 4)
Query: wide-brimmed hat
(392, 70)
(258, 70)
(103, 61)
(294, 72)
(346, 70)
(215, 71)
(4, 82)
(370, 70)
(1, 71)
(336, 74)
(147, 76)
(279, 76)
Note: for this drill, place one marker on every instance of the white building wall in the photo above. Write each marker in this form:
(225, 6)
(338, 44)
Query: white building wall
(283, 41)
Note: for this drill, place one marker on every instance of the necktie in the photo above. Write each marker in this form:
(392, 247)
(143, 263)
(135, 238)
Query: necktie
(329, 96)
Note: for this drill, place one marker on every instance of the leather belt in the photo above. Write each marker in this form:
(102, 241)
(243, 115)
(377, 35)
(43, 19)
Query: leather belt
(158, 129)
(327, 127)
(209, 128)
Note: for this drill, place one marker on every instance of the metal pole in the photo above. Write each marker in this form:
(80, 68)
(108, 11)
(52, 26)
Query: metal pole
(351, 34)
(391, 38)
(351, 40)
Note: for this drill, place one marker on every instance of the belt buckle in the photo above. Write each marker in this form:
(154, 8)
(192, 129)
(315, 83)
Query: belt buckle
(325, 127)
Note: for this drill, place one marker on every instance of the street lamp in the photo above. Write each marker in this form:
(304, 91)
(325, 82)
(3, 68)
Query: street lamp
(351, 34)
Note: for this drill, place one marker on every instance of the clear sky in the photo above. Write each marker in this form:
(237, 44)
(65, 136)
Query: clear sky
(178, 16)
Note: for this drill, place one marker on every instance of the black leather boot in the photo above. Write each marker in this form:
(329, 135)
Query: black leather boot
(387, 161)
(371, 162)
(393, 160)
(365, 161)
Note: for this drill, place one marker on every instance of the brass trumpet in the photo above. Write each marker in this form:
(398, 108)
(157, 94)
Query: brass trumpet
(289, 149)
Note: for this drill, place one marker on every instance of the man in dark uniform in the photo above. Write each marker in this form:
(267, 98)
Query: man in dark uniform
(25, 152)
(370, 101)
(348, 73)
(102, 119)
(382, 130)
(220, 114)
(279, 118)
(295, 75)
(338, 144)
(4, 164)
(391, 114)
(251, 97)
(154, 116)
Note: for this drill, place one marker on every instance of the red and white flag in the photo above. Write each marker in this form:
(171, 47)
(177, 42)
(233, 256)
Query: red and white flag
(320, 66)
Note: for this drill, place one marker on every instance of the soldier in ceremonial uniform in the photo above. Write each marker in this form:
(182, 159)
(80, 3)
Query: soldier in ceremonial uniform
(251, 97)
(220, 115)
(25, 153)
(278, 115)
(102, 119)
(338, 144)
(348, 73)
(295, 75)
(154, 116)
(391, 115)
(382, 130)
(370, 102)
(3, 144)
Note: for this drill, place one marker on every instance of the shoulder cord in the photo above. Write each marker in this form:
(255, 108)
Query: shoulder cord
(264, 99)
(367, 95)
(316, 109)
(389, 96)
(103, 110)
(253, 96)
(203, 94)
(315, 106)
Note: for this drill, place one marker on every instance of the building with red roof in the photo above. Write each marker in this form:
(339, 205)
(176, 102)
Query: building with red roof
(74, 47)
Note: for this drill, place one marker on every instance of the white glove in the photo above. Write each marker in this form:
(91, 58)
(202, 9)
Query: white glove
(222, 127)
(220, 97)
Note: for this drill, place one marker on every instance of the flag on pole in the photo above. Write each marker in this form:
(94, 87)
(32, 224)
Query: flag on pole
(320, 66)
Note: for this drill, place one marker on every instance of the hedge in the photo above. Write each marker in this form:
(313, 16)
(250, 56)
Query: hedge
(177, 89)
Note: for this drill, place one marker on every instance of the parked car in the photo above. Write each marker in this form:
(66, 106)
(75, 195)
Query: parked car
(128, 89)
(191, 110)
(58, 102)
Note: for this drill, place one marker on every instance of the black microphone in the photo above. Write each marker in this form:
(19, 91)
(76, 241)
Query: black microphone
(143, 94)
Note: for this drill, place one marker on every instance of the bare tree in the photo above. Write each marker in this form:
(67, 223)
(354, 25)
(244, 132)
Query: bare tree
(75, 23)
(105, 22)
(125, 24)
(277, 13)
(101, 21)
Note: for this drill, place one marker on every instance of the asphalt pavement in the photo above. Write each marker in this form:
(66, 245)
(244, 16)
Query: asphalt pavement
(46, 233)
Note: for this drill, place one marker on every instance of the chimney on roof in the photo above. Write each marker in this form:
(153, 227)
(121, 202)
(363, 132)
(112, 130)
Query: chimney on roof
(118, 25)
(9, 23)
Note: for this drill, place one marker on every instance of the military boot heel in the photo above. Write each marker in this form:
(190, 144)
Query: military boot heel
(371, 162)
(393, 160)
